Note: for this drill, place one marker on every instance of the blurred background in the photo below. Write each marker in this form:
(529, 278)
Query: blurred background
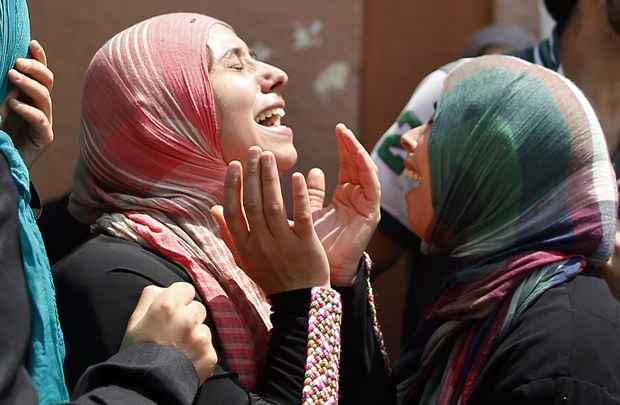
(348, 61)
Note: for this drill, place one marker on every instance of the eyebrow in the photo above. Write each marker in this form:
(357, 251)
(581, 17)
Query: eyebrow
(238, 51)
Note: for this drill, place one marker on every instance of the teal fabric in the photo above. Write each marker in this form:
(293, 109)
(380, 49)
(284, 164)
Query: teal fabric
(15, 26)
(47, 350)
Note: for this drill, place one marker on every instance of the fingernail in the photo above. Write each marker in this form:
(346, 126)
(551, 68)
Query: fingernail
(13, 103)
(233, 172)
(254, 152)
(21, 63)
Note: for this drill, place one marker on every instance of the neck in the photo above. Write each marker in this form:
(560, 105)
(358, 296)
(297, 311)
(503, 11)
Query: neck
(590, 57)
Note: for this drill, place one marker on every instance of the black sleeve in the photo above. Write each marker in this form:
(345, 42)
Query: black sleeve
(364, 376)
(142, 374)
(15, 383)
(286, 359)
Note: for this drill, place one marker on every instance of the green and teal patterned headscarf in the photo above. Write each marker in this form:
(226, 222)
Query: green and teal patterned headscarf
(524, 198)
(47, 350)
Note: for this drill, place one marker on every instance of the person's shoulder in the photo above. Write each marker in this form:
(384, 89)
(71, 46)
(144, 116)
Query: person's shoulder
(104, 257)
(570, 332)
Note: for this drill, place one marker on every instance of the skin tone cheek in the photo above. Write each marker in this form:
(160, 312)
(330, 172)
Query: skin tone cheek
(419, 200)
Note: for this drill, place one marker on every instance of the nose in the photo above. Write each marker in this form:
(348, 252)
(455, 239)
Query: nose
(409, 141)
(272, 79)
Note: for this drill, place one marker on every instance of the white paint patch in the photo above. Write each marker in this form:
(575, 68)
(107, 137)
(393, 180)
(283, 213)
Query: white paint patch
(262, 51)
(332, 79)
(305, 37)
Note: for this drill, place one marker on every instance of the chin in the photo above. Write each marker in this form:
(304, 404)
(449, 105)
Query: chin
(286, 159)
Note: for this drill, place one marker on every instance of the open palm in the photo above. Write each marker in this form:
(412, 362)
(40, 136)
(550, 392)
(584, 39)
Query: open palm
(346, 225)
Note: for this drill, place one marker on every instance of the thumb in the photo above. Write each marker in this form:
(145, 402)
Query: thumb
(149, 294)
(316, 189)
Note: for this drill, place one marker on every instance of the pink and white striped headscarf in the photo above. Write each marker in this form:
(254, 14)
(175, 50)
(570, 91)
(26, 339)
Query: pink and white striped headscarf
(151, 167)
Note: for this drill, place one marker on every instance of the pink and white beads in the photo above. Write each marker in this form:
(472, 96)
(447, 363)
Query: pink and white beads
(323, 353)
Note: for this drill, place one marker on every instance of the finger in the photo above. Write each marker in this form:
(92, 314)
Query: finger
(217, 211)
(35, 118)
(352, 146)
(202, 333)
(149, 294)
(316, 189)
(177, 295)
(252, 193)
(39, 94)
(197, 312)
(206, 357)
(369, 179)
(233, 209)
(218, 214)
(302, 216)
(37, 71)
(346, 164)
(273, 205)
(37, 52)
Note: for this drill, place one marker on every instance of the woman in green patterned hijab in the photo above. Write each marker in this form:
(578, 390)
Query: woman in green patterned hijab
(515, 186)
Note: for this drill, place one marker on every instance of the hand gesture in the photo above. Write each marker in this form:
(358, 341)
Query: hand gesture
(346, 225)
(30, 126)
(171, 317)
(279, 255)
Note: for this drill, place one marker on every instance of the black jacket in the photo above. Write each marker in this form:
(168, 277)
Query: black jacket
(99, 284)
(564, 349)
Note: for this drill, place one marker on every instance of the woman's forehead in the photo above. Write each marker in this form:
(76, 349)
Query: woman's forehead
(222, 39)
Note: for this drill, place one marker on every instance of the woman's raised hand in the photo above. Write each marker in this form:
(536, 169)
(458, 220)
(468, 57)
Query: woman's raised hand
(31, 125)
(280, 255)
(346, 225)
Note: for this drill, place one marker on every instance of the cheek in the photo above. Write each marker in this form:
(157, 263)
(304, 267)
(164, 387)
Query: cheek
(235, 115)
(235, 144)
(234, 95)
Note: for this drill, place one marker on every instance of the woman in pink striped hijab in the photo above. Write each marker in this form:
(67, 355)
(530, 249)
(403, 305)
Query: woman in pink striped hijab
(168, 103)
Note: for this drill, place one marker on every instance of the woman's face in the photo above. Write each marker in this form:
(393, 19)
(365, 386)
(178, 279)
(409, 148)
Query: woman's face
(419, 201)
(248, 98)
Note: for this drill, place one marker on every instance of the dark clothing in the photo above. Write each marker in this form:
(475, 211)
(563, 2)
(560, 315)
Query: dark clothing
(107, 383)
(563, 350)
(425, 278)
(100, 283)
(61, 232)
(140, 375)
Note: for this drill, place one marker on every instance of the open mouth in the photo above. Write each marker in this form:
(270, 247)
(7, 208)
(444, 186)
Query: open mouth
(271, 118)
(413, 175)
